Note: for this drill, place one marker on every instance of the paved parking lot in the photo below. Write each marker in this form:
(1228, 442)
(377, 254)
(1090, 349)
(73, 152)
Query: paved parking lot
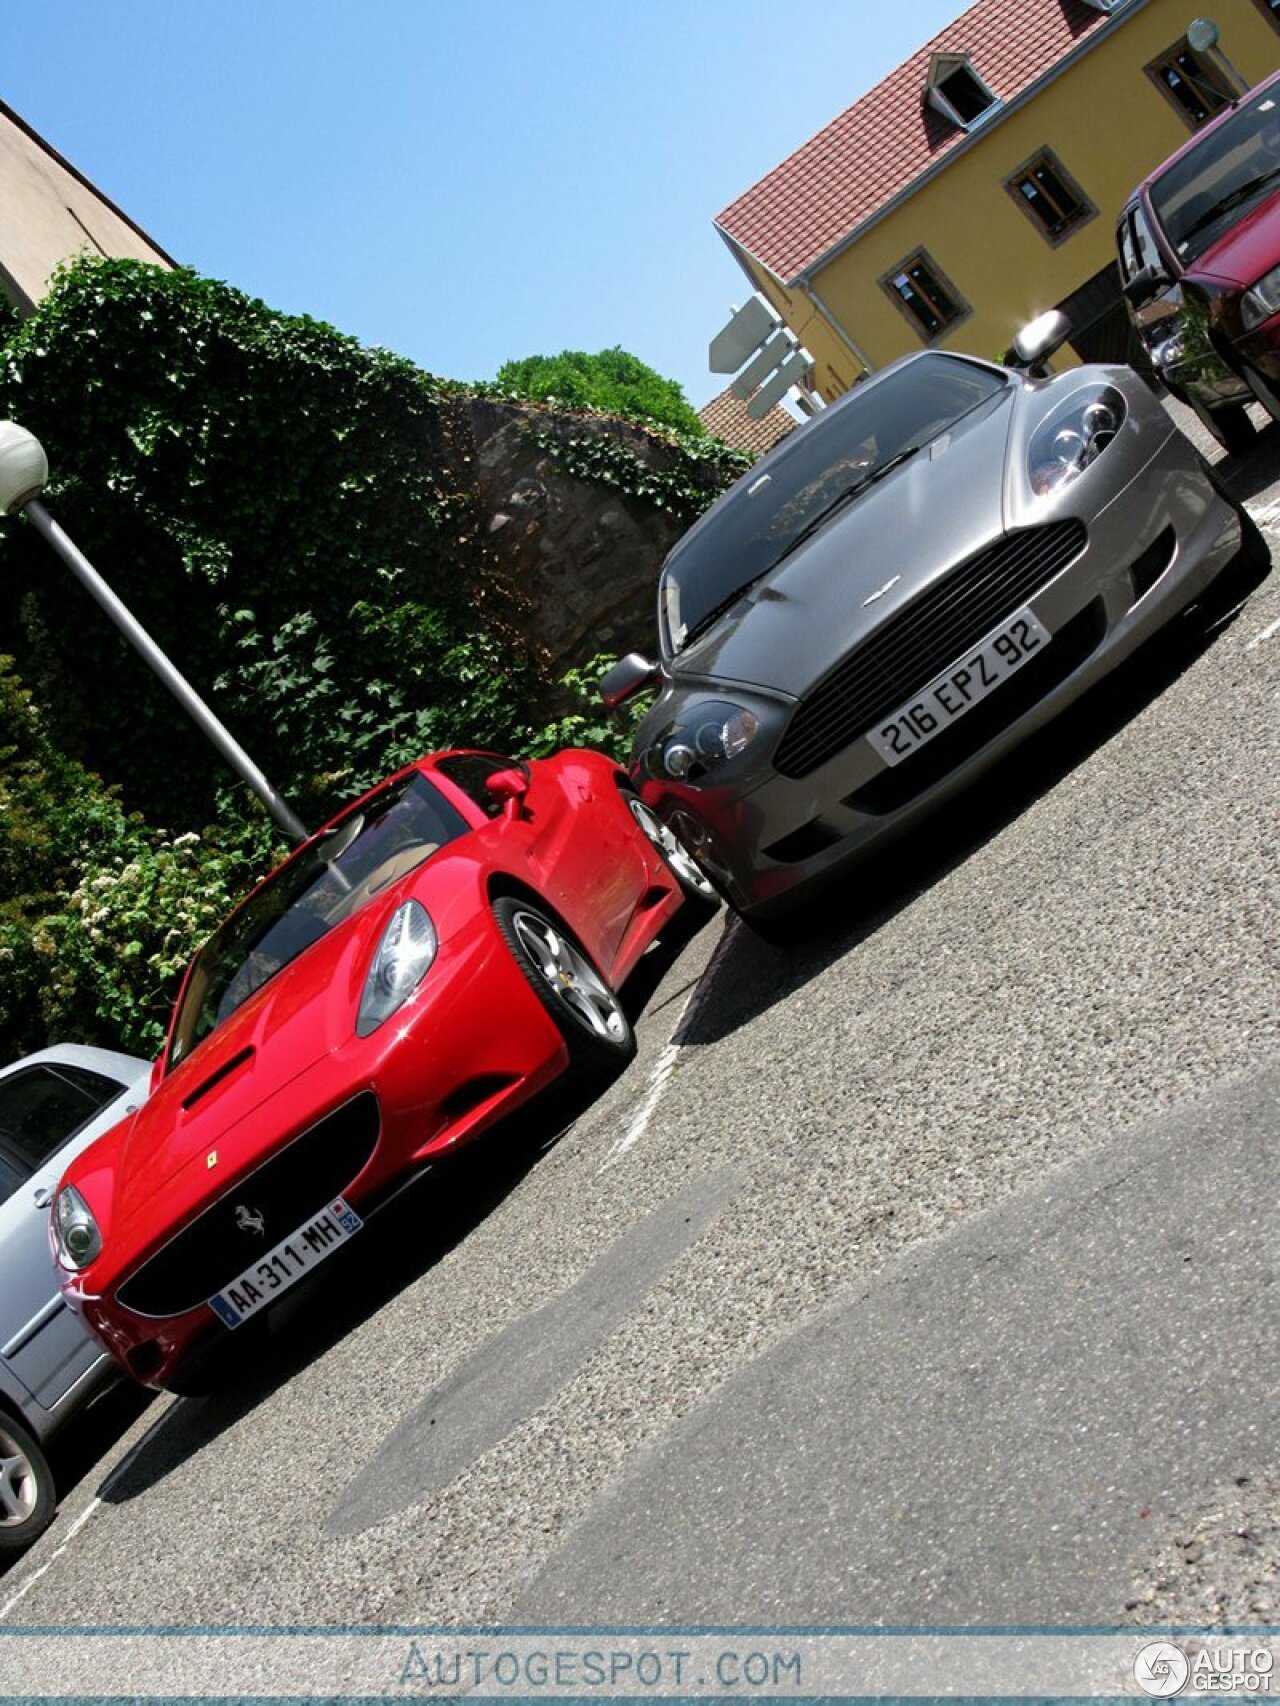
(918, 1271)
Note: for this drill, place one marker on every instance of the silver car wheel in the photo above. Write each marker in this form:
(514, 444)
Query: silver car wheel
(673, 850)
(571, 979)
(28, 1497)
(19, 1489)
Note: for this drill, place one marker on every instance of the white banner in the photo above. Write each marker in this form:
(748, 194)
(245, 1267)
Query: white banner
(577, 1664)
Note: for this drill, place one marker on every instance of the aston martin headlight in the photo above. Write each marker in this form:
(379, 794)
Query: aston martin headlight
(703, 736)
(1262, 301)
(1073, 437)
(403, 959)
(75, 1232)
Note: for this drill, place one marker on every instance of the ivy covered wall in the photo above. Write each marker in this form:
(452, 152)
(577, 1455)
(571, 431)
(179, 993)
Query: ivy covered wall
(297, 520)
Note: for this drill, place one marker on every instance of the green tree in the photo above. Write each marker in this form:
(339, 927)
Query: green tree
(612, 381)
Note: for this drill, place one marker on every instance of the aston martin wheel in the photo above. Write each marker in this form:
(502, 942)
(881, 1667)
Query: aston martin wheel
(27, 1495)
(584, 1007)
(699, 891)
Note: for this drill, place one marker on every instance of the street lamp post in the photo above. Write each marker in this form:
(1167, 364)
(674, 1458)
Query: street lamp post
(24, 472)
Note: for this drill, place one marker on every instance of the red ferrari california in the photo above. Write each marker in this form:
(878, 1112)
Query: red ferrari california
(439, 952)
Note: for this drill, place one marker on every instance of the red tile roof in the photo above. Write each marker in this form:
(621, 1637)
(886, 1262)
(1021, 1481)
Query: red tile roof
(888, 138)
(726, 418)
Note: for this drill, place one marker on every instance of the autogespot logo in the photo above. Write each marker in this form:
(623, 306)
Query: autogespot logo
(1161, 1669)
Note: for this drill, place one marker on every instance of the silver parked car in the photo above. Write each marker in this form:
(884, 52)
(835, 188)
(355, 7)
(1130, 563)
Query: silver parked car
(52, 1105)
(899, 593)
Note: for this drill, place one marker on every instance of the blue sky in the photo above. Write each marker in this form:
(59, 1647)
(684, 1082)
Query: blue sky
(463, 182)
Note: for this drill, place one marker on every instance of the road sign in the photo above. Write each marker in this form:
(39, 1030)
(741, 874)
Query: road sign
(733, 343)
(790, 373)
(770, 354)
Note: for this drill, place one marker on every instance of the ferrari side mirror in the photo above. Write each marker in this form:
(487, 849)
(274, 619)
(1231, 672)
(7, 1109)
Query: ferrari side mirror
(510, 787)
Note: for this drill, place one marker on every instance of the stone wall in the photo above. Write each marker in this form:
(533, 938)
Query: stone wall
(577, 560)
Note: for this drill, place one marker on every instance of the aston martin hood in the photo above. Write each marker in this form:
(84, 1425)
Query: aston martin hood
(906, 531)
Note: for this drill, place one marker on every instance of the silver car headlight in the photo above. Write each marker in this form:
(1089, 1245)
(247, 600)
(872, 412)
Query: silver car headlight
(703, 736)
(1073, 437)
(76, 1237)
(403, 959)
(1262, 301)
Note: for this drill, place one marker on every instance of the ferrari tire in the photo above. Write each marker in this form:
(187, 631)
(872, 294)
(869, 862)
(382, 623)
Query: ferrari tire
(28, 1497)
(586, 1011)
(700, 893)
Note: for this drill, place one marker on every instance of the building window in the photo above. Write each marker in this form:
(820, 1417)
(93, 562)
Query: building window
(925, 295)
(957, 91)
(1050, 196)
(1191, 82)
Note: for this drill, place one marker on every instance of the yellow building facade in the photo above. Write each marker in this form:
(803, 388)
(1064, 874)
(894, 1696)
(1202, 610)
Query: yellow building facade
(1008, 214)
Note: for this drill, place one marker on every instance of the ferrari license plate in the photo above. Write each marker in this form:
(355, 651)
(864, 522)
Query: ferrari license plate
(276, 1270)
(959, 688)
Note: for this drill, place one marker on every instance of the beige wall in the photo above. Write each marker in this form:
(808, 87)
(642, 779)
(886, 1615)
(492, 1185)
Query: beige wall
(1108, 124)
(48, 214)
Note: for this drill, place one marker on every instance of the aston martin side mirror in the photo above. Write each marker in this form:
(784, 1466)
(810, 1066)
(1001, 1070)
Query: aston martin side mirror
(626, 678)
(1036, 342)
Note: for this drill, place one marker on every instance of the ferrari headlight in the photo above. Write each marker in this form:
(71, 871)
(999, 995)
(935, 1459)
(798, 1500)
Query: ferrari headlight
(1073, 437)
(76, 1237)
(703, 736)
(403, 959)
(1262, 301)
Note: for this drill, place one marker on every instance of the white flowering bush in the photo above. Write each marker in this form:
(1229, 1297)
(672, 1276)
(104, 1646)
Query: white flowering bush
(99, 911)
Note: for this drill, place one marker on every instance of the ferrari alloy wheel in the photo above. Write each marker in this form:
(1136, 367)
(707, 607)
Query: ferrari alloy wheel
(587, 1012)
(27, 1496)
(695, 884)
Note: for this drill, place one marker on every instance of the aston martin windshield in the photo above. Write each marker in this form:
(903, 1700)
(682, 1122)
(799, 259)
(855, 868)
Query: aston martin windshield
(1206, 189)
(812, 478)
(332, 878)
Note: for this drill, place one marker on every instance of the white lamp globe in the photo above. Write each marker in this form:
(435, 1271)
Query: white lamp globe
(24, 467)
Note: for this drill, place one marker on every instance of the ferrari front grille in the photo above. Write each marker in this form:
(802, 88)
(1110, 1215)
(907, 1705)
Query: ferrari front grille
(264, 1207)
(920, 640)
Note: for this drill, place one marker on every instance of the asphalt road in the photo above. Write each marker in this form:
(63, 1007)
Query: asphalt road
(920, 1271)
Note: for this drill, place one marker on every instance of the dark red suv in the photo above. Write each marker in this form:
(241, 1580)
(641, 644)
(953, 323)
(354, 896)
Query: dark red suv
(1199, 250)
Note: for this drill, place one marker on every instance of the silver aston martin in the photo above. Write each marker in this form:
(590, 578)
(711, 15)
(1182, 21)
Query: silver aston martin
(901, 592)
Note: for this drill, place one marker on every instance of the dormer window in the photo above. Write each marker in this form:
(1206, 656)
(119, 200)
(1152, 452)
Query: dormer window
(957, 91)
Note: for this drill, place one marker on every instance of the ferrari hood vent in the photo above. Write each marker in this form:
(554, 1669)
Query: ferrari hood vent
(216, 1078)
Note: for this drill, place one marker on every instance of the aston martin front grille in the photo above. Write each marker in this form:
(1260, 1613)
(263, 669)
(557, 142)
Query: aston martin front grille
(256, 1214)
(920, 640)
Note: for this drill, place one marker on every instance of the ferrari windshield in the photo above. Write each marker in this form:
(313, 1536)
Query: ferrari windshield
(829, 464)
(328, 881)
(1213, 185)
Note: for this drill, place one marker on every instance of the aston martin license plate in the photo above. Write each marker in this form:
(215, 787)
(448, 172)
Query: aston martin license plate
(959, 688)
(276, 1270)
